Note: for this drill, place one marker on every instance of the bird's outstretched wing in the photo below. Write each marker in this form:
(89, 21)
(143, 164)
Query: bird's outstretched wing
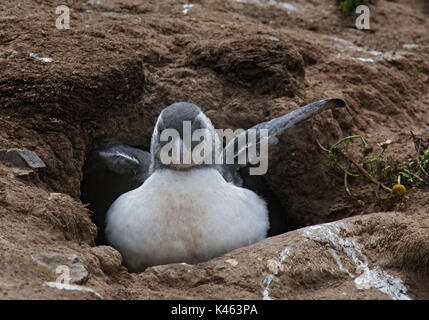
(235, 151)
(110, 170)
(238, 172)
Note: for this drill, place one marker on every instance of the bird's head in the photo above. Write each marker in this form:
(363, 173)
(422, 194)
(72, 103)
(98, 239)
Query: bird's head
(183, 138)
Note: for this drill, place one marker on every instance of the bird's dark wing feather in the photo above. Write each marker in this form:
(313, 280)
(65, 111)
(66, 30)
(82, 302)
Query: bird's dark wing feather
(273, 127)
(239, 173)
(110, 170)
(289, 120)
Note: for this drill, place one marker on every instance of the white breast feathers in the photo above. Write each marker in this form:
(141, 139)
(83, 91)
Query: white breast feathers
(184, 216)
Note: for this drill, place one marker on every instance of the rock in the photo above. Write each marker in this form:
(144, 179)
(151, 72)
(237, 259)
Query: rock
(77, 272)
(232, 262)
(22, 172)
(274, 38)
(71, 287)
(109, 258)
(55, 195)
(22, 158)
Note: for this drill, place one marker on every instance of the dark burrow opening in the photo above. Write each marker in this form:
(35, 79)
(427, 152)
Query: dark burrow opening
(99, 189)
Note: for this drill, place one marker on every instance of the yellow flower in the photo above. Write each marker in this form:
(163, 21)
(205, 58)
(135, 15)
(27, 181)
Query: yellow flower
(385, 144)
(399, 190)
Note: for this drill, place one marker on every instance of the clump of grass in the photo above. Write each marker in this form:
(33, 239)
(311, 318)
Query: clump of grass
(392, 178)
(350, 5)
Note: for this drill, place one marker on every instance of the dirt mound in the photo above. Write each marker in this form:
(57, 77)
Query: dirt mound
(342, 260)
(263, 64)
(243, 62)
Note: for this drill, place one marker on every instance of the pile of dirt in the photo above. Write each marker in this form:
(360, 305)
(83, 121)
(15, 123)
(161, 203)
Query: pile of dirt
(265, 65)
(243, 62)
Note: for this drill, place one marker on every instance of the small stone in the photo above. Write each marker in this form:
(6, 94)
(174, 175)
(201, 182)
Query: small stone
(109, 258)
(274, 38)
(54, 195)
(35, 56)
(273, 266)
(63, 286)
(22, 172)
(232, 262)
(22, 158)
(391, 56)
(78, 273)
(410, 46)
(55, 120)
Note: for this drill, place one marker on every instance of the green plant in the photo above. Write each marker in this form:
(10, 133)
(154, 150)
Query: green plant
(423, 163)
(350, 5)
(377, 170)
(366, 159)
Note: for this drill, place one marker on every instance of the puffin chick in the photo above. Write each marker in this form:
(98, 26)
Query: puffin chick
(190, 211)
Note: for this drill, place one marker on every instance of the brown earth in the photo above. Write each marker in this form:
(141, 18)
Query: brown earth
(123, 61)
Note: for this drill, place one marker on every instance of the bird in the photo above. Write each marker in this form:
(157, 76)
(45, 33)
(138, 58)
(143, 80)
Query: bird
(157, 212)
